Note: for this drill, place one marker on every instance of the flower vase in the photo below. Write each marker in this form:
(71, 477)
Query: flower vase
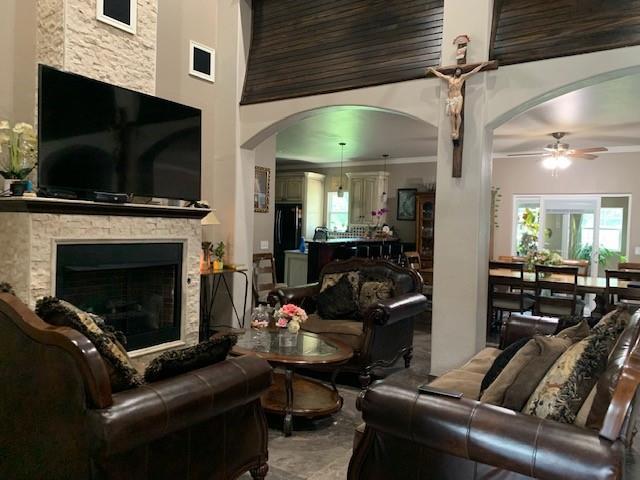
(286, 339)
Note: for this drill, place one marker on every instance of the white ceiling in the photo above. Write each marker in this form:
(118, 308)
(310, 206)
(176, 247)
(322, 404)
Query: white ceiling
(369, 133)
(607, 114)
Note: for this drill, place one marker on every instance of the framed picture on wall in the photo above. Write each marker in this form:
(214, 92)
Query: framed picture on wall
(202, 61)
(261, 190)
(121, 14)
(407, 203)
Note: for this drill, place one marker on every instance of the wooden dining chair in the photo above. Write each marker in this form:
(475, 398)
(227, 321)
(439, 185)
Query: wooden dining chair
(625, 290)
(583, 266)
(557, 291)
(264, 278)
(628, 266)
(506, 293)
(413, 262)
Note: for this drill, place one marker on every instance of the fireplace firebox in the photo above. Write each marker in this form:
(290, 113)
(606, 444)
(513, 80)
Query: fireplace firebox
(135, 287)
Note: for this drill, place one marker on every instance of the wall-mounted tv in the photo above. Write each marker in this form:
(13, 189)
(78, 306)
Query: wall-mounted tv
(96, 137)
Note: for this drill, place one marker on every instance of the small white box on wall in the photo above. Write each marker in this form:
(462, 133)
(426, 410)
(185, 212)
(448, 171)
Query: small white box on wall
(122, 14)
(202, 61)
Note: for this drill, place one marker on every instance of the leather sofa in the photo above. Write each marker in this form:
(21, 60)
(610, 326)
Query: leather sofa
(384, 334)
(60, 419)
(428, 436)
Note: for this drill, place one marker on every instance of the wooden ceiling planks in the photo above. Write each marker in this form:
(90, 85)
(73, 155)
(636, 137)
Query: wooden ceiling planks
(525, 31)
(307, 48)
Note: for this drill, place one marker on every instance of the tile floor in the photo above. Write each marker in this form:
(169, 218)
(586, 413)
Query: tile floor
(321, 450)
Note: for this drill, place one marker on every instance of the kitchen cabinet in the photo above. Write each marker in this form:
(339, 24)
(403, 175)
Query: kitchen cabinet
(307, 189)
(365, 196)
(295, 268)
(290, 188)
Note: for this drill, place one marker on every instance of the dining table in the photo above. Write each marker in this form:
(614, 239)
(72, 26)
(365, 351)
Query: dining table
(595, 285)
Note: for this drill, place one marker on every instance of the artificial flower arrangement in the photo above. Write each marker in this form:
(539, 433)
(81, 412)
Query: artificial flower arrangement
(541, 257)
(18, 151)
(290, 316)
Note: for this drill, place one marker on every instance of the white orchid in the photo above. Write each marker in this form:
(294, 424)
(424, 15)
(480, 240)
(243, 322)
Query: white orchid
(21, 143)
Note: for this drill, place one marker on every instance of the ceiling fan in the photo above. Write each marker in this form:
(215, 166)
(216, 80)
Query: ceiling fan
(558, 155)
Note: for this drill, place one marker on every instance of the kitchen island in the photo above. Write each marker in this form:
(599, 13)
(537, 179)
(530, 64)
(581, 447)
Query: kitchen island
(321, 252)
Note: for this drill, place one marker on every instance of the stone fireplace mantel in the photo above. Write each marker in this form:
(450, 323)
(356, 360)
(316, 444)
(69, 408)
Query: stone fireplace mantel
(31, 229)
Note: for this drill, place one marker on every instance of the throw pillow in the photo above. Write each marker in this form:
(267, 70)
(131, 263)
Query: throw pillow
(501, 362)
(176, 362)
(6, 288)
(521, 376)
(568, 383)
(122, 373)
(330, 279)
(336, 302)
(371, 293)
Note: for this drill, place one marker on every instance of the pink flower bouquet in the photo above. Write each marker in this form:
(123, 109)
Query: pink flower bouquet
(290, 316)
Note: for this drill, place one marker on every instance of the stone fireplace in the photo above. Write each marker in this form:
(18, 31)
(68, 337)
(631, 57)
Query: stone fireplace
(137, 265)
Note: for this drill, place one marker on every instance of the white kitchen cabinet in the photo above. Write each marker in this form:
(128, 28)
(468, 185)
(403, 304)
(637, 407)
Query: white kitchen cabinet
(306, 188)
(295, 268)
(365, 196)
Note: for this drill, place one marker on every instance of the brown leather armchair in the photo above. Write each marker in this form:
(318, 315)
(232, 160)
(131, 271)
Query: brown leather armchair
(423, 436)
(385, 334)
(60, 419)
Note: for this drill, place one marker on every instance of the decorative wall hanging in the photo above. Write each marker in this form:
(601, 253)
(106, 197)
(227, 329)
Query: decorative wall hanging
(407, 203)
(121, 14)
(202, 61)
(261, 190)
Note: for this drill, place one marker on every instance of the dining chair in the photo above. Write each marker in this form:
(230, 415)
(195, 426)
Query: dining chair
(506, 293)
(628, 266)
(414, 263)
(583, 266)
(264, 278)
(626, 290)
(556, 292)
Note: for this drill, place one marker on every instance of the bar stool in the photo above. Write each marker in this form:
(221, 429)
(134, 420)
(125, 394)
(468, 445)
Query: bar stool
(363, 251)
(375, 251)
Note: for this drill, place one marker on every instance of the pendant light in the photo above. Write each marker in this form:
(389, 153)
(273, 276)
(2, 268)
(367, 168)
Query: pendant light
(383, 197)
(340, 189)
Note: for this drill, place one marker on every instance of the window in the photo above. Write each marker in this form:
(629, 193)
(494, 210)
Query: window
(337, 212)
(611, 225)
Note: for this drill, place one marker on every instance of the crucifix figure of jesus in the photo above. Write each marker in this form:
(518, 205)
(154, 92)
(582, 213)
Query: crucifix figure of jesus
(455, 99)
(456, 76)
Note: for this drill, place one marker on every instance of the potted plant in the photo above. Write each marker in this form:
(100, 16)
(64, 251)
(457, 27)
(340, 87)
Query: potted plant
(219, 254)
(18, 153)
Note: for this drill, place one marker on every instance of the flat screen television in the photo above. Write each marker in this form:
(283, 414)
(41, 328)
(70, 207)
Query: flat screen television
(96, 137)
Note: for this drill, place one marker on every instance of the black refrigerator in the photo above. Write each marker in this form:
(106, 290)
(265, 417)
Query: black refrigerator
(287, 233)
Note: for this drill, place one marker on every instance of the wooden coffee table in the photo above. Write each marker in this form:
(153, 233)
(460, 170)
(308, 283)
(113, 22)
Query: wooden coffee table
(292, 395)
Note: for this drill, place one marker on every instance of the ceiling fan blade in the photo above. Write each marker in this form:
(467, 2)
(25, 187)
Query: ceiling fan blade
(589, 150)
(538, 154)
(583, 156)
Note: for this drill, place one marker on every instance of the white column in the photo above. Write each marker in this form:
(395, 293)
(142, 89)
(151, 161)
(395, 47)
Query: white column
(462, 204)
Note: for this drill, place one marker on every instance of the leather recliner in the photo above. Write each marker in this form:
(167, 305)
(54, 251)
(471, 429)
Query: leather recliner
(60, 419)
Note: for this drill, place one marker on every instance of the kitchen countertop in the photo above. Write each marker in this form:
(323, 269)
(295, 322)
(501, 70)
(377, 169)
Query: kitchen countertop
(354, 240)
(297, 251)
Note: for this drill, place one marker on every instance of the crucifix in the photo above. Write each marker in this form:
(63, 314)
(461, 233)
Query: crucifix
(456, 76)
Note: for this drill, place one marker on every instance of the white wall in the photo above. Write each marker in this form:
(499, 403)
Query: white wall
(608, 174)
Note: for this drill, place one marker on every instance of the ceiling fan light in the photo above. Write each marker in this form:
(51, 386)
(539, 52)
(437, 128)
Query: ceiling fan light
(550, 163)
(563, 162)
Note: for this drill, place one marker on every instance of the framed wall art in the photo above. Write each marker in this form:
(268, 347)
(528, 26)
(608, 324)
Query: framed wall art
(202, 61)
(122, 14)
(407, 203)
(261, 190)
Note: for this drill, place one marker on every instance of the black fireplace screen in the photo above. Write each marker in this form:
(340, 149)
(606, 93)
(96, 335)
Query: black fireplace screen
(135, 287)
